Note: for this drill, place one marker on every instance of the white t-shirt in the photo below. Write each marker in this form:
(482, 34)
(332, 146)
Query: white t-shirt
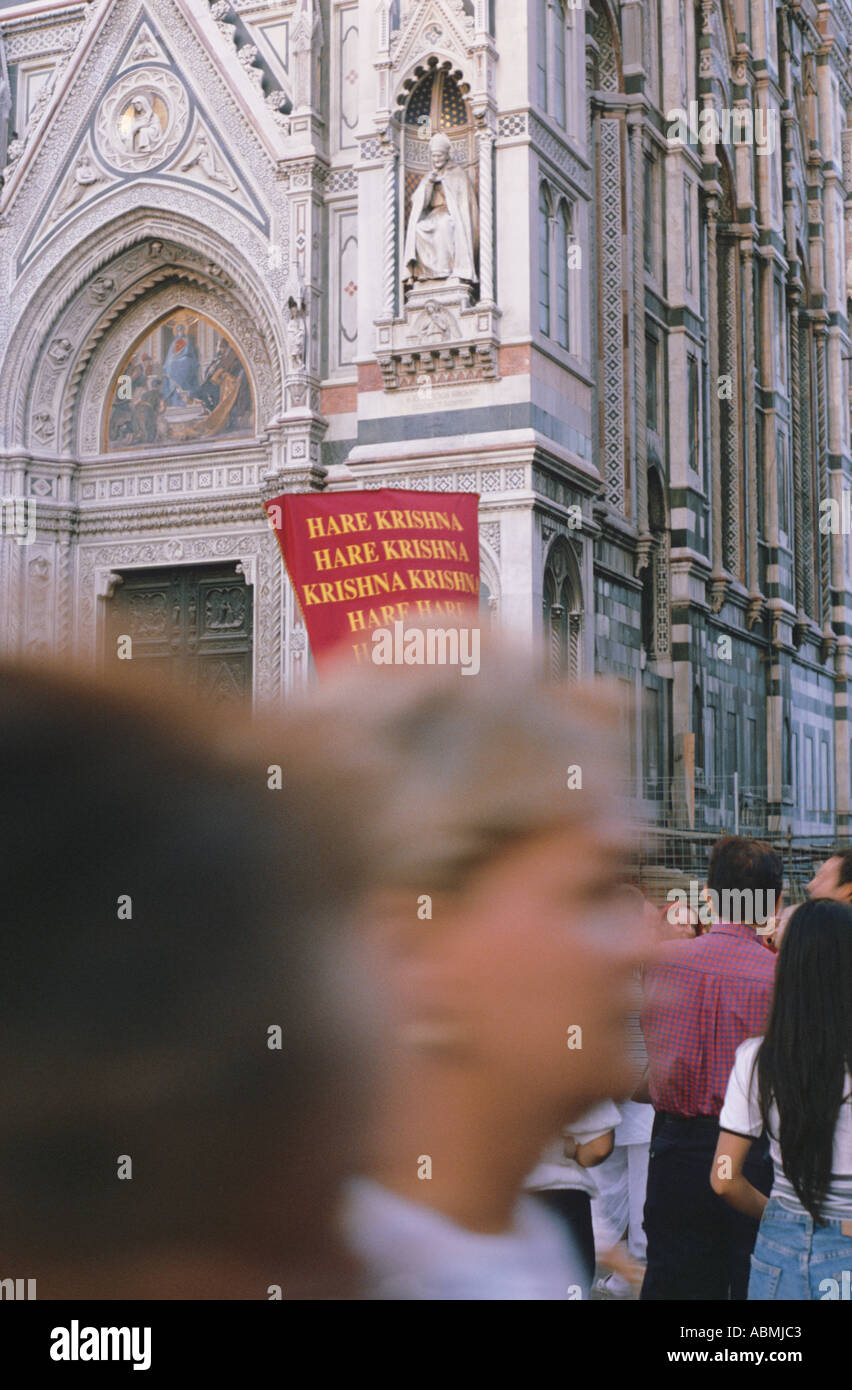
(555, 1171)
(741, 1115)
(411, 1251)
(637, 1121)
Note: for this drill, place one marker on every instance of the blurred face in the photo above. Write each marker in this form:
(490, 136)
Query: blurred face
(683, 921)
(824, 883)
(534, 962)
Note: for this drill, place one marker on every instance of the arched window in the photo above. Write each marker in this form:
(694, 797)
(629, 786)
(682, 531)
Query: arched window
(564, 239)
(557, 248)
(559, 72)
(554, 53)
(562, 613)
(698, 729)
(541, 46)
(544, 293)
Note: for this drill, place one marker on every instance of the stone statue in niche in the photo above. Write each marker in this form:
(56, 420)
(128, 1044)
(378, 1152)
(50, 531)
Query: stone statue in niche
(297, 321)
(442, 239)
(296, 338)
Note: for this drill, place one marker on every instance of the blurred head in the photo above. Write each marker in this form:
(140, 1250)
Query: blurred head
(501, 924)
(682, 922)
(806, 1056)
(180, 989)
(746, 878)
(643, 917)
(833, 879)
(667, 892)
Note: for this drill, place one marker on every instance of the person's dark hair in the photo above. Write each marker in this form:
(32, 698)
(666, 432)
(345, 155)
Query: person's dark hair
(165, 907)
(844, 868)
(805, 1058)
(739, 863)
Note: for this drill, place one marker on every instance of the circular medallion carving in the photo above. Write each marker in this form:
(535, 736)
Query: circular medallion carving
(142, 120)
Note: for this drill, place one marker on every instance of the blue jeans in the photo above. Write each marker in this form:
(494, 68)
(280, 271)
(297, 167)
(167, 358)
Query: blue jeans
(795, 1260)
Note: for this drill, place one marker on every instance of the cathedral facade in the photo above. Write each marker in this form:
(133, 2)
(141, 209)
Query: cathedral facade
(587, 260)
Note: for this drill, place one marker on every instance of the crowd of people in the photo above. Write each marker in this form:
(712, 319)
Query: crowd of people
(361, 1003)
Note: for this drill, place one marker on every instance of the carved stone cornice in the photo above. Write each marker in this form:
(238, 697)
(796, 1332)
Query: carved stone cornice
(135, 522)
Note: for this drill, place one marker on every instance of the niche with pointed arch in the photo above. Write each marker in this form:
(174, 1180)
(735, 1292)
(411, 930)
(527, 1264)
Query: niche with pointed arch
(182, 382)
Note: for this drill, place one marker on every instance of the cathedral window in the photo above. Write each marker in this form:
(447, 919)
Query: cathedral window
(562, 614)
(687, 236)
(694, 415)
(541, 46)
(559, 74)
(652, 390)
(544, 296)
(698, 730)
(564, 245)
(558, 255)
(554, 34)
(648, 216)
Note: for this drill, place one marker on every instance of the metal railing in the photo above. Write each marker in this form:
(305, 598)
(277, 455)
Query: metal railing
(673, 837)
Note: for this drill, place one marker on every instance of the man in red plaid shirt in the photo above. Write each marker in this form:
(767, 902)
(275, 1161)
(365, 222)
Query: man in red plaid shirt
(702, 999)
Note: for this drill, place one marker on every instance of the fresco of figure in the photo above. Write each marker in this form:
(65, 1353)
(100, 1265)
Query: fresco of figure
(443, 230)
(180, 369)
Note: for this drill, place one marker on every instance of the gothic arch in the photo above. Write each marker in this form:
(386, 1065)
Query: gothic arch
(563, 611)
(448, 40)
(77, 305)
(438, 62)
(85, 413)
(437, 101)
(490, 574)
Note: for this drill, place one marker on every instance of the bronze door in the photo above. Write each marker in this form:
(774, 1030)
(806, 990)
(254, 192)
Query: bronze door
(191, 623)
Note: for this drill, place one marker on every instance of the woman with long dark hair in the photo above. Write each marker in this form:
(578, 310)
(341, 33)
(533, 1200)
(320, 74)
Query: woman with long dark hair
(795, 1083)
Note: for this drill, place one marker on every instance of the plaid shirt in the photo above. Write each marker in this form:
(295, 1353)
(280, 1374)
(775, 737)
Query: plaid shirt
(702, 999)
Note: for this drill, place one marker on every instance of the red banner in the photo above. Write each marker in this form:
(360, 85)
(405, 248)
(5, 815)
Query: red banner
(360, 561)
